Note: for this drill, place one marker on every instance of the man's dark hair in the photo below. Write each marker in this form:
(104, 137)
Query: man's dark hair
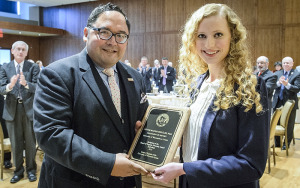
(103, 8)
(278, 63)
(164, 58)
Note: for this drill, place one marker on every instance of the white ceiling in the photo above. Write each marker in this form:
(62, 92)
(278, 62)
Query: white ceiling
(49, 3)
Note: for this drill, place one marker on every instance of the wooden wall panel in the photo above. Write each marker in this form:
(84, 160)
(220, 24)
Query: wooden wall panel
(173, 15)
(153, 47)
(269, 12)
(246, 10)
(292, 42)
(46, 55)
(136, 16)
(268, 42)
(85, 10)
(292, 13)
(73, 12)
(154, 16)
(251, 42)
(272, 26)
(60, 51)
(135, 50)
(191, 6)
(170, 47)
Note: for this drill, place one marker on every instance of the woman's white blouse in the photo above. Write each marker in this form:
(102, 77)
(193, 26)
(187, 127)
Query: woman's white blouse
(191, 135)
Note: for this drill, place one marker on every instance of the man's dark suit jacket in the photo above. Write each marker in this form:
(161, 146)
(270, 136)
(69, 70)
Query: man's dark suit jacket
(233, 146)
(270, 79)
(77, 125)
(170, 77)
(288, 94)
(147, 79)
(31, 72)
(155, 76)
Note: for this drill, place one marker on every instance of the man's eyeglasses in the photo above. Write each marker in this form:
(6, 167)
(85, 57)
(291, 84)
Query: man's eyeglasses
(106, 34)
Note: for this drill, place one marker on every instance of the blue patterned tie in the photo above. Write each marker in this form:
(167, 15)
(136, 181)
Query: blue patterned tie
(282, 86)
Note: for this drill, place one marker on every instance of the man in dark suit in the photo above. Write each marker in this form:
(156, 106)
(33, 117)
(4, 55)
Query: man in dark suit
(83, 129)
(155, 74)
(268, 76)
(166, 77)
(288, 85)
(146, 72)
(18, 82)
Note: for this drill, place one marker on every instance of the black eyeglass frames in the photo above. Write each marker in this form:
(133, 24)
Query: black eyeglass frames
(106, 34)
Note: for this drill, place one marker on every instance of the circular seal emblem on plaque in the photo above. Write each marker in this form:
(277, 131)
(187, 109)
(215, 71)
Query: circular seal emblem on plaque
(162, 120)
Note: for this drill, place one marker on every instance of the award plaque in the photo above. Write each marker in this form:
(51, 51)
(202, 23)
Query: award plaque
(157, 140)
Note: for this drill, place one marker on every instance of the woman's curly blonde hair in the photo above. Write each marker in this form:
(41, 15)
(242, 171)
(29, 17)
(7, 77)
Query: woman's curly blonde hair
(238, 86)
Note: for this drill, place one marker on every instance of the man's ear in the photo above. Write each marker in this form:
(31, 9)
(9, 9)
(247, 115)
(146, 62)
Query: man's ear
(85, 34)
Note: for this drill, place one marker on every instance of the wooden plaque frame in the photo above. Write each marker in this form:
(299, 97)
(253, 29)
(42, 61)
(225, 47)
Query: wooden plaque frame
(156, 142)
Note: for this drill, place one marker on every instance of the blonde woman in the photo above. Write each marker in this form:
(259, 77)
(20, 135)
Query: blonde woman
(226, 141)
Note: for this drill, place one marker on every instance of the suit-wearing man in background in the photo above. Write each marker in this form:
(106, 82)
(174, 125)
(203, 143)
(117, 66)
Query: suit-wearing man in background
(171, 65)
(84, 120)
(166, 77)
(155, 73)
(262, 64)
(146, 72)
(288, 85)
(18, 82)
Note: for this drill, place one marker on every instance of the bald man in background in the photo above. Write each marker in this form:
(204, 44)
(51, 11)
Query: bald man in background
(288, 85)
(262, 64)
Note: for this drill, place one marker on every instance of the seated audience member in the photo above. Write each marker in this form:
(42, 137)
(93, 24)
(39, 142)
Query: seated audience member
(226, 140)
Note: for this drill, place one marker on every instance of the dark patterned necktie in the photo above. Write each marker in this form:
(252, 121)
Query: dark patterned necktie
(18, 82)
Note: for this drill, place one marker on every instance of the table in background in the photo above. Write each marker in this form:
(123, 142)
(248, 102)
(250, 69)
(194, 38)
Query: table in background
(167, 99)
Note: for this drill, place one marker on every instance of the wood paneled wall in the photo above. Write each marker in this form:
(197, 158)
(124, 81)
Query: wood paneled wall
(273, 27)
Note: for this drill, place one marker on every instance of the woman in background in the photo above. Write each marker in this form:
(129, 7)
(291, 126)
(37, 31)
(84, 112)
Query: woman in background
(226, 141)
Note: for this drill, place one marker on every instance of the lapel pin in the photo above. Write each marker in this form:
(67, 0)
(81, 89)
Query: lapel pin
(130, 79)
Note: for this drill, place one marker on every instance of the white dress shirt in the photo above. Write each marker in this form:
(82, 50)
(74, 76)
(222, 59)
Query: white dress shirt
(191, 135)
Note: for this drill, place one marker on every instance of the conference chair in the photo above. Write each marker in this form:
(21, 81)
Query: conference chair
(274, 120)
(281, 129)
(5, 147)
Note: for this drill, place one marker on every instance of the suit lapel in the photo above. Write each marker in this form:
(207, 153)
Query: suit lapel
(94, 81)
(205, 129)
(26, 67)
(12, 68)
(131, 93)
(291, 75)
